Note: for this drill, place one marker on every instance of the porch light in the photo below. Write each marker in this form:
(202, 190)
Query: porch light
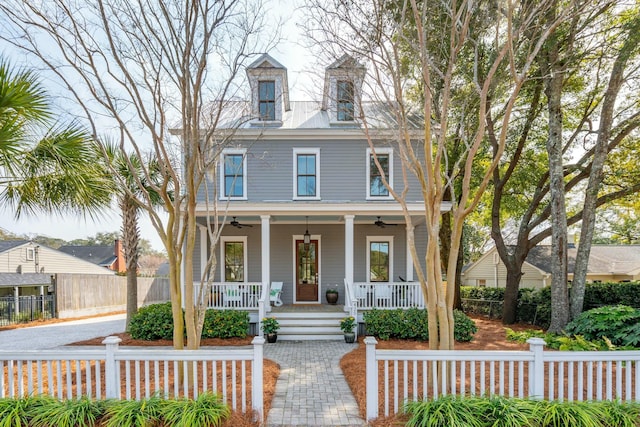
(307, 236)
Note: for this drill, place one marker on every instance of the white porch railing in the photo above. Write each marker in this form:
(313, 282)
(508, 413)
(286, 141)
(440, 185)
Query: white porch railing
(237, 296)
(410, 375)
(386, 295)
(389, 295)
(116, 373)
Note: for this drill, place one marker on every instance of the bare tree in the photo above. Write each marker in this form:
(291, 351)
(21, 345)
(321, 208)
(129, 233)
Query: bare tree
(147, 67)
(436, 50)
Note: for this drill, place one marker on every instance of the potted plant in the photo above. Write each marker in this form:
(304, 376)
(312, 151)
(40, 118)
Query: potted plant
(346, 325)
(270, 328)
(331, 295)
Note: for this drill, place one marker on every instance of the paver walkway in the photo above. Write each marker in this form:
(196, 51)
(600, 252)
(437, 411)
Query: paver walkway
(311, 389)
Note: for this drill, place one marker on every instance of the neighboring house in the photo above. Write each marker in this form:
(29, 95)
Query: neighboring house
(111, 257)
(36, 263)
(607, 263)
(303, 198)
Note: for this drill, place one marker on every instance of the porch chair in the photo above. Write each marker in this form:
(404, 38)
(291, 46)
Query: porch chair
(382, 294)
(275, 292)
(232, 296)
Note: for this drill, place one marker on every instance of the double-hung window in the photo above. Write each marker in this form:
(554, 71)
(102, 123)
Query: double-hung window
(267, 100)
(234, 175)
(345, 101)
(379, 258)
(306, 180)
(234, 255)
(375, 186)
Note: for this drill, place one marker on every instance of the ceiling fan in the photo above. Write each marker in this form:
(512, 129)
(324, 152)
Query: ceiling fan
(380, 223)
(236, 224)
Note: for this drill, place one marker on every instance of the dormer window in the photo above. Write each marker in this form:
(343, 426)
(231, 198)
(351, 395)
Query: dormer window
(343, 92)
(269, 92)
(345, 101)
(267, 99)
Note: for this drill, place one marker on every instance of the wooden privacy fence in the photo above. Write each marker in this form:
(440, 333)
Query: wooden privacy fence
(398, 376)
(116, 373)
(89, 294)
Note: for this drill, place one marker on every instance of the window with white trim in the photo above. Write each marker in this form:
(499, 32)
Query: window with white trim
(267, 99)
(376, 189)
(233, 180)
(345, 101)
(379, 258)
(306, 179)
(234, 254)
(31, 254)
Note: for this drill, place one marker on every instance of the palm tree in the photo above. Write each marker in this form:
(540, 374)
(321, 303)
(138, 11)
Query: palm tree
(131, 184)
(44, 166)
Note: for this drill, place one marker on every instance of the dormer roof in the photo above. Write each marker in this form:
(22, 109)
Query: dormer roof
(345, 68)
(266, 68)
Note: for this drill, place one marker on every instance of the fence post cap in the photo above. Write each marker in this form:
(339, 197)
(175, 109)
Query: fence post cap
(112, 340)
(536, 341)
(258, 340)
(370, 340)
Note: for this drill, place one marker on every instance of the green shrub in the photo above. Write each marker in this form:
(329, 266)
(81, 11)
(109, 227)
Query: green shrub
(225, 324)
(512, 412)
(67, 413)
(207, 410)
(599, 294)
(464, 328)
(620, 324)
(134, 413)
(16, 412)
(413, 324)
(152, 322)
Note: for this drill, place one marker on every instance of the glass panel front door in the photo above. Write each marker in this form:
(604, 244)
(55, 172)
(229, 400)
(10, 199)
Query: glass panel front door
(307, 271)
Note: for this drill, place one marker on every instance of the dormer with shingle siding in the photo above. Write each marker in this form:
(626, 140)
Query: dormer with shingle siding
(269, 91)
(343, 91)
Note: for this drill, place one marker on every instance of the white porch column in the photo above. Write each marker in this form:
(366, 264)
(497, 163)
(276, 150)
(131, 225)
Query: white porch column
(265, 228)
(409, 260)
(348, 247)
(203, 251)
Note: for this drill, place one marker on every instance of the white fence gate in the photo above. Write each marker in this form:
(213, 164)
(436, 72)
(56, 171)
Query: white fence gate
(412, 375)
(113, 372)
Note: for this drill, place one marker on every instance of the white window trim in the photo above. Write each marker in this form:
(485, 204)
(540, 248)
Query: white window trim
(237, 151)
(30, 254)
(388, 239)
(389, 152)
(296, 152)
(223, 241)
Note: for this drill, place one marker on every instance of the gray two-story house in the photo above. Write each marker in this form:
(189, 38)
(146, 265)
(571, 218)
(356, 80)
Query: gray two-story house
(303, 197)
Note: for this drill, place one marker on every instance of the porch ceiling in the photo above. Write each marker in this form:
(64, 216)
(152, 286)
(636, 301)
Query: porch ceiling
(318, 219)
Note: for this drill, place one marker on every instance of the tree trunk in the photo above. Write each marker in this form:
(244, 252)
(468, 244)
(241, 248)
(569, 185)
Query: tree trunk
(510, 304)
(595, 177)
(130, 240)
(559, 289)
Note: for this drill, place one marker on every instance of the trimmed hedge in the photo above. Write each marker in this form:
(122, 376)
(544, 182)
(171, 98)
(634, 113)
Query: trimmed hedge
(155, 322)
(413, 324)
(534, 305)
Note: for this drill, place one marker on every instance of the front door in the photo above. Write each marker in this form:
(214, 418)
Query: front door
(307, 271)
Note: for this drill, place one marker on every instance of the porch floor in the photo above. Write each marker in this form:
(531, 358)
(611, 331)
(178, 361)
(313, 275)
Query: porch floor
(308, 308)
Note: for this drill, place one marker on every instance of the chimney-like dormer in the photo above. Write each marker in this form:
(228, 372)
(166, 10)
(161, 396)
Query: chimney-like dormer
(343, 90)
(269, 91)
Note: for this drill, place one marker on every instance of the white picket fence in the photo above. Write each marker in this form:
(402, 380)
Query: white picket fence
(412, 375)
(116, 373)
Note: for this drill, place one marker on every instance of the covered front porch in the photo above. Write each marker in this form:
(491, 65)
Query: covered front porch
(311, 321)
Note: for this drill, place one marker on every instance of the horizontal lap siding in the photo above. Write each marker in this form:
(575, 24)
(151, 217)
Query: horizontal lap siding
(270, 170)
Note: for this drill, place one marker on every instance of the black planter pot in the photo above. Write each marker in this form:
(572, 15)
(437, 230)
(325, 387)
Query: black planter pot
(349, 337)
(332, 297)
(272, 337)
